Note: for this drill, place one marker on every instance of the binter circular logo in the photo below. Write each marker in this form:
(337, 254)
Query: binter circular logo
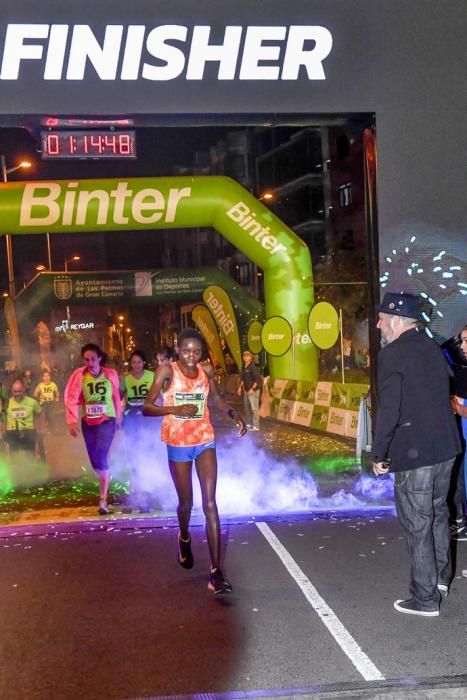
(254, 337)
(276, 336)
(323, 325)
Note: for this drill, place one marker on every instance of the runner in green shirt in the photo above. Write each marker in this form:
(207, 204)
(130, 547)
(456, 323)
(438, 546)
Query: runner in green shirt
(134, 388)
(46, 392)
(21, 415)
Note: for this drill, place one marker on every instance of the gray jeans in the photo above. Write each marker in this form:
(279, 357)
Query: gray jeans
(421, 502)
(251, 407)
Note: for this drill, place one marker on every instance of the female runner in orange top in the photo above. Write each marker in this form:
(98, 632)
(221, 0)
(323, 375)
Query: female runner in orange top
(189, 435)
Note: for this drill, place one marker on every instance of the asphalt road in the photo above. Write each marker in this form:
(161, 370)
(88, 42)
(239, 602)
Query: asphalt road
(108, 614)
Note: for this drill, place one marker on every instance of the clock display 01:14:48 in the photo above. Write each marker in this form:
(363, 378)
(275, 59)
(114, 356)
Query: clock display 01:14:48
(88, 144)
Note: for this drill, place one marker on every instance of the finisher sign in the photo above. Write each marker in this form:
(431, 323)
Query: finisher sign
(165, 52)
(177, 203)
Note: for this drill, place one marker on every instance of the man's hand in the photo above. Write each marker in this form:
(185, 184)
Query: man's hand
(458, 406)
(380, 468)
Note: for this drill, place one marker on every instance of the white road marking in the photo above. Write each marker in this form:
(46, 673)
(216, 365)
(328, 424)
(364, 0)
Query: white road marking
(347, 643)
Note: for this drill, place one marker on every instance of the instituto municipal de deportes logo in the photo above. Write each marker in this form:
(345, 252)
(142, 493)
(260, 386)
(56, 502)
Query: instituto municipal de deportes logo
(63, 288)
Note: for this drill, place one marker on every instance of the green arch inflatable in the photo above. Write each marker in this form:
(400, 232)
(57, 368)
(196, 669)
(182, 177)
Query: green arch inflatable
(67, 206)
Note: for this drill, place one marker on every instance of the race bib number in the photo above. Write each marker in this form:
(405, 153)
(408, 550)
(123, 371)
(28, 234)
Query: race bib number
(135, 402)
(47, 396)
(197, 400)
(19, 413)
(95, 410)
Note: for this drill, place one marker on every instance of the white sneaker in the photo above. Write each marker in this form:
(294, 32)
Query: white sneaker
(443, 589)
(464, 573)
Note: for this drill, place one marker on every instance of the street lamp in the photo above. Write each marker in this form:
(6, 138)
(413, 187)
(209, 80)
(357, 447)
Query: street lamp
(75, 258)
(9, 250)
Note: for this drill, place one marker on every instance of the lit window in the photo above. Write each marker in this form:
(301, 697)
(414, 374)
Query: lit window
(345, 194)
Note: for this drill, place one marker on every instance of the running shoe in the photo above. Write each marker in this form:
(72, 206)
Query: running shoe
(464, 573)
(104, 508)
(185, 555)
(218, 583)
(456, 527)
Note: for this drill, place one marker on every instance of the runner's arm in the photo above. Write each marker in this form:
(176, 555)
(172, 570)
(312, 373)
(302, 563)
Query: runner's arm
(219, 402)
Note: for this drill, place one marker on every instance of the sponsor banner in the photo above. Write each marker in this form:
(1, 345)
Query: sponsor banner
(276, 336)
(323, 393)
(205, 323)
(323, 325)
(355, 393)
(319, 420)
(254, 337)
(351, 424)
(285, 410)
(302, 413)
(336, 421)
(306, 391)
(293, 402)
(290, 391)
(220, 306)
(277, 388)
(339, 396)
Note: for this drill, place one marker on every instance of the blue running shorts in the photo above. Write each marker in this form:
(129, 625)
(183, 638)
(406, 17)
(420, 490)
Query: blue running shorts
(188, 454)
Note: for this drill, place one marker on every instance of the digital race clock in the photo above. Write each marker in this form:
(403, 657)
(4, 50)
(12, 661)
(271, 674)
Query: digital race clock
(88, 144)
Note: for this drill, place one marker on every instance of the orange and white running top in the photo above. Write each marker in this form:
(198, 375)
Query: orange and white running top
(186, 431)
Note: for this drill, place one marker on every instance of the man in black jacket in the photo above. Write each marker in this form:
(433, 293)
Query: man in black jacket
(416, 438)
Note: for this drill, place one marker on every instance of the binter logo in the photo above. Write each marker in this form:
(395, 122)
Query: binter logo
(220, 314)
(246, 219)
(49, 203)
(203, 326)
(165, 52)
